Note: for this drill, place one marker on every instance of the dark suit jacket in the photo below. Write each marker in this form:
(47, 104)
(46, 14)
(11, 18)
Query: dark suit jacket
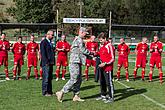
(47, 53)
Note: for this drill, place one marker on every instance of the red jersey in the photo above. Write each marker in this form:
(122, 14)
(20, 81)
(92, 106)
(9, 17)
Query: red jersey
(32, 48)
(106, 54)
(92, 46)
(156, 48)
(123, 50)
(142, 49)
(62, 45)
(5, 46)
(19, 49)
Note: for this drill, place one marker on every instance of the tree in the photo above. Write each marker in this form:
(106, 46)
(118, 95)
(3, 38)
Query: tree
(32, 11)
(152, 12)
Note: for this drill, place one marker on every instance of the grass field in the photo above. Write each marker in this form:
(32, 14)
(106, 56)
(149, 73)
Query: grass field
(133, 95)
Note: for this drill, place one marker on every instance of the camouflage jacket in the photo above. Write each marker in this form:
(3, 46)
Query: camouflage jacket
(78, 51)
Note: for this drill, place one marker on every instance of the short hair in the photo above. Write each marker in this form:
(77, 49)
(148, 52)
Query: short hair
(4, 34)
(49, 32)
(19, 37)
(110, 38)
(102, 35)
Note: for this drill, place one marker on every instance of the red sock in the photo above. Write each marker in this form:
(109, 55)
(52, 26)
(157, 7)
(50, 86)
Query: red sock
(161, 76)
(63, 73)
(7, 73)
(28, 72)
(127, 75)
(86, 73)
(14, 72)
(36, 72)
(150, 76)
(118, 75)
(143, 74)
(57, 73)
(135, 73)
(40, 72)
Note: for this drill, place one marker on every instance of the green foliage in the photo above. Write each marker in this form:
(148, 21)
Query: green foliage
(152, 12)
(32, 11)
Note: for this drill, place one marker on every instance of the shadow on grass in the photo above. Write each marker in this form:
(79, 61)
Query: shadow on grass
(128, 92)
(85, 88)
(88, 87)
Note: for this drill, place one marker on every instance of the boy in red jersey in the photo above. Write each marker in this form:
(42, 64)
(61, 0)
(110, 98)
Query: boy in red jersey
(156, 49)
(91, 46)
(4, 48)
(62, 47)
(32, 56)
(141, 58)
(107, 58)
(123, 52)
(18, 51)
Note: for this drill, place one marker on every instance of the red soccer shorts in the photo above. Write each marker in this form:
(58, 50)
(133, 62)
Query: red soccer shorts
(90, 62)
(62, 60)
(156, 60)
(32, 61)
(18, 60)
(4, 60)
(141, 61)
(123, 61)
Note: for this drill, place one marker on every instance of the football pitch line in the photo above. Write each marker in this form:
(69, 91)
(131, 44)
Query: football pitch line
(145, 96)
(2, 81)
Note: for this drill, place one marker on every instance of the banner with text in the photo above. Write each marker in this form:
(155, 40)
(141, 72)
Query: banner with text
(84, 20)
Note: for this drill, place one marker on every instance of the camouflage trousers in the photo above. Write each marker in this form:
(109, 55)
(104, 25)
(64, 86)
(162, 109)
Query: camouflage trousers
(75, 80)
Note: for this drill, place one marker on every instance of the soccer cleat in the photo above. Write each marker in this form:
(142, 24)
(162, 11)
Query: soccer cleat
(57, 79)
(142, 79)
(59, 95)
(127, 80)
(40, 78)
(36, 78)
(14, 77)
(27, 78)
(78, 99)
(19, 78)
(150, 81)
(63, 79)
(7, 78)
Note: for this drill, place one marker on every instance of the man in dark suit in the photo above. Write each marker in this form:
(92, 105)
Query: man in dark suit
(47, 62)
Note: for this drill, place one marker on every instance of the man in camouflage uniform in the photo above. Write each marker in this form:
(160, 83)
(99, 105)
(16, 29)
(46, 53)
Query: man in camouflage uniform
(77, 58)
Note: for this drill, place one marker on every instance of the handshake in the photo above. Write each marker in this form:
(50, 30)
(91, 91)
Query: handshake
(93, 53)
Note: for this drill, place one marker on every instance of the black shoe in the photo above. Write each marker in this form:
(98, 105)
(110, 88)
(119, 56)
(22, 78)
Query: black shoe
(142, 79)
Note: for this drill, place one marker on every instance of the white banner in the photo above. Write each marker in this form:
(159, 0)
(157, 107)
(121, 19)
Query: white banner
(84, 20)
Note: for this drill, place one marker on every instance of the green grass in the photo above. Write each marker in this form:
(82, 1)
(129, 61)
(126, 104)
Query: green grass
(26, 95)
